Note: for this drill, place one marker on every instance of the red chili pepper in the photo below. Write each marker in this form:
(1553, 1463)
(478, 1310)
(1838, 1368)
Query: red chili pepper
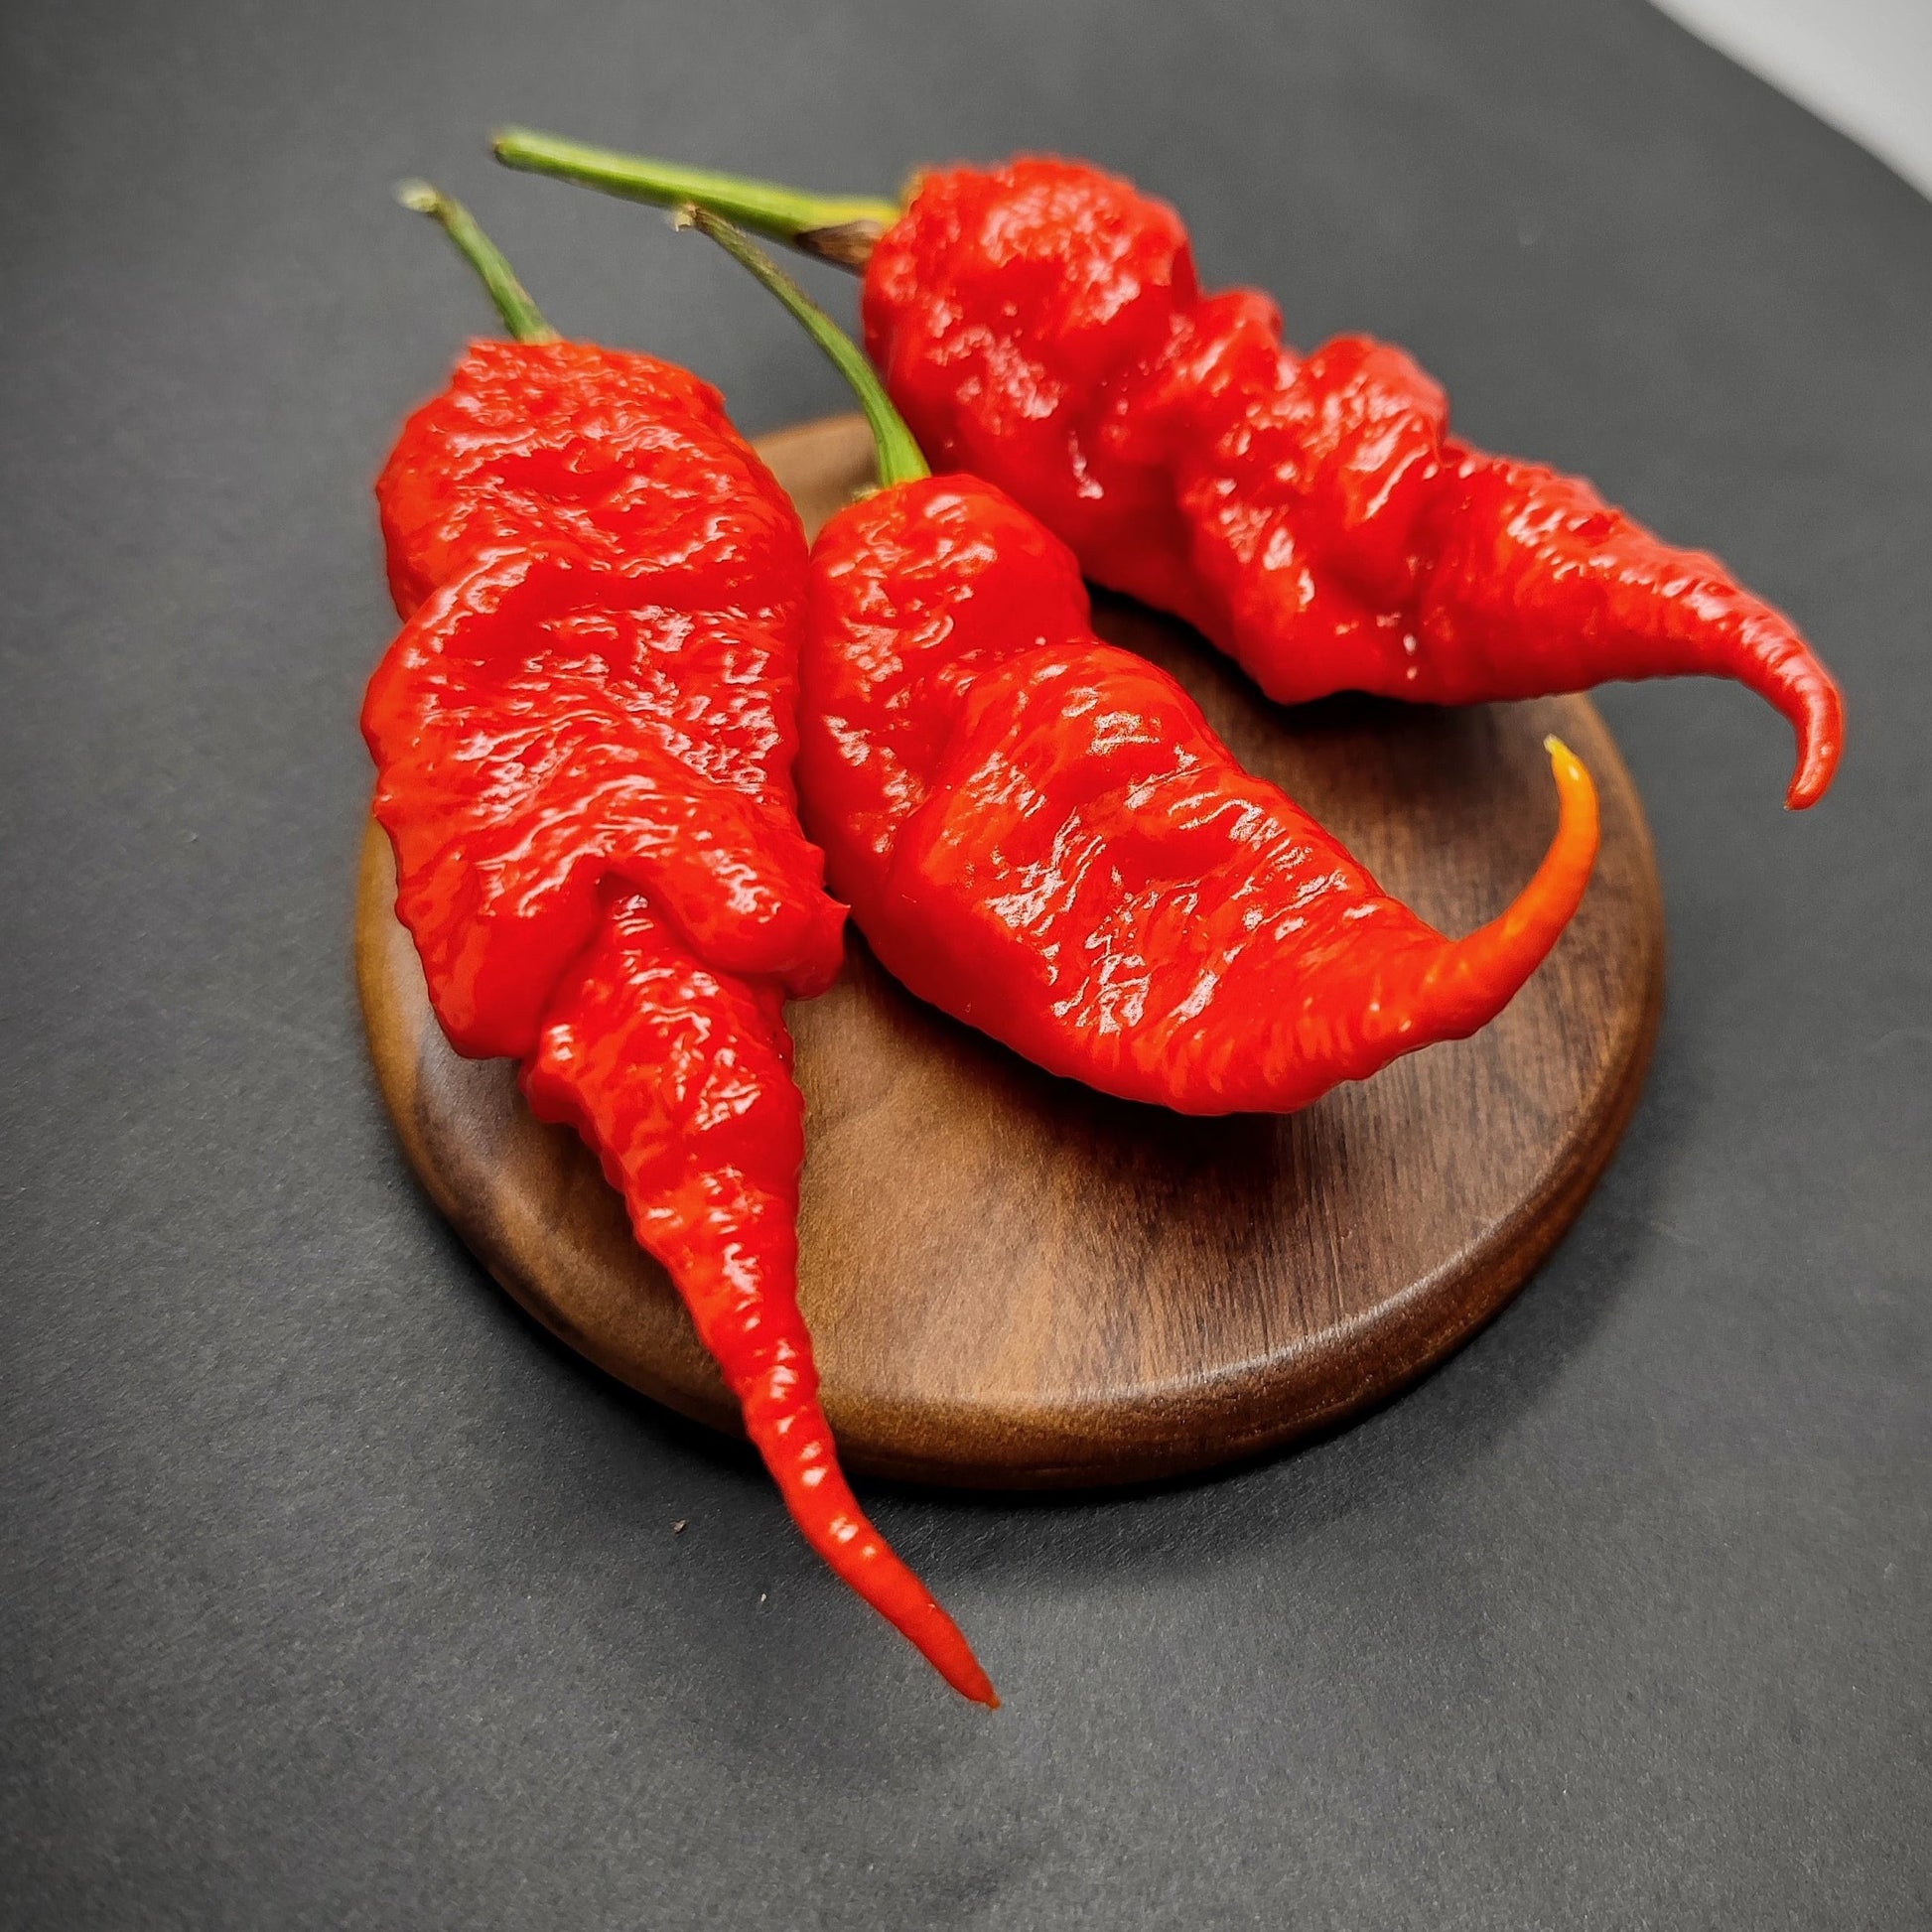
(620, 454)
(1040, 324)
(1039, 833)
(583, 736)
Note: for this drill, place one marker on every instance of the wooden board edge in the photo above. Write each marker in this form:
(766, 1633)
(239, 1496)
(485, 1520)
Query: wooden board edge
(1235, 1416)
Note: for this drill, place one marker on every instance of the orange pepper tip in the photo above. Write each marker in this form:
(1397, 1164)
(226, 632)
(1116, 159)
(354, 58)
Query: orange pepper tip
(1553, 895)
(1576, 795)
(1571, 857)
(1500, 956)
(1465, 985)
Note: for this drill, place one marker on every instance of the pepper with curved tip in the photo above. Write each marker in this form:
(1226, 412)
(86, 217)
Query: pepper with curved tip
(584, 737)
(1041, 326)
(1040, 834)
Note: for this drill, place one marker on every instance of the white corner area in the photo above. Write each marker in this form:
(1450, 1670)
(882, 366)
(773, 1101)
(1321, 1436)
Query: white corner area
(1864, 66)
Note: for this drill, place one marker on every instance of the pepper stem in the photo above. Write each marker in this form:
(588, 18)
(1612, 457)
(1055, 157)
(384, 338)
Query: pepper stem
(840, 227)
(521, 317)
(899, 460)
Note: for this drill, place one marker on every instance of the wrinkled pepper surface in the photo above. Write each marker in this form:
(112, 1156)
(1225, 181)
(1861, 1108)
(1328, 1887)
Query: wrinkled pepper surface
(1040, 834)
(584, 737)
(1040, 324)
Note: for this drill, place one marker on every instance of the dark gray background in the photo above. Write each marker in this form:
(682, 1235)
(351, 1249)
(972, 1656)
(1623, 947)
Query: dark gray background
(336, 1596)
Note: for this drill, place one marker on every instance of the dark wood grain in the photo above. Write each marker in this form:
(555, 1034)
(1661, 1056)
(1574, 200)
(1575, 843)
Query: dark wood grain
(1013, 1281)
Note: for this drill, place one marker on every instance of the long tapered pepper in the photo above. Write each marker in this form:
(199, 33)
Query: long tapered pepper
(584, 737)
(1041, 326)
(1040, 834)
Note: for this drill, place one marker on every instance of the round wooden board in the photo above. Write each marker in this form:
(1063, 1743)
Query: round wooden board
(1016, 1282)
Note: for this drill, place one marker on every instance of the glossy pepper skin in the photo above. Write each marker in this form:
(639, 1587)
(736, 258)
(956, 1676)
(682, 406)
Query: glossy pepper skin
(1040, 324)
(584, 737)
(547, 729)
(617, 453)
(1039, 833)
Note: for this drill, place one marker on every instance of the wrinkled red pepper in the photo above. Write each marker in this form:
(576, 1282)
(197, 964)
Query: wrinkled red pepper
(1040, 326)
(1040, 834)
(584, 737)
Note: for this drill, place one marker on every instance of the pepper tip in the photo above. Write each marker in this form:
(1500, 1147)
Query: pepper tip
(1817, 766)
(1562, 759)
(979, 1689)
(948, 1652)
(418, 196)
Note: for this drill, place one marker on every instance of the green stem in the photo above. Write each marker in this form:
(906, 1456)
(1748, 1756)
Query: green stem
(899, 460)
(521, 317)
(839, 228)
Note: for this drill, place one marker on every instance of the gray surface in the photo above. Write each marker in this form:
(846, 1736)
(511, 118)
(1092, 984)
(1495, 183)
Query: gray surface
(334, 1596)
